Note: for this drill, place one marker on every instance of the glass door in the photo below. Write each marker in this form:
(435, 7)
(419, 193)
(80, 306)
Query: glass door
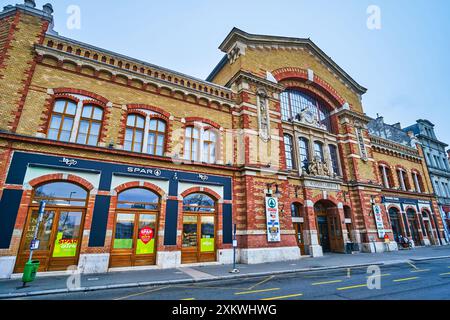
(190, 238)
(145, 240)
(44, 236)
(207, 238)
(66, 240)
(122, 246)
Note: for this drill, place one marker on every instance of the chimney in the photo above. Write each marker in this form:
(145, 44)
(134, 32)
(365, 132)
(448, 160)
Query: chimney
(48, 8)
(30, 3)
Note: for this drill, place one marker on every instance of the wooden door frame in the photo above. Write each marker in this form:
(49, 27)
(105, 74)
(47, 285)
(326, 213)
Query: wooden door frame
(137, 213)
(57, 212)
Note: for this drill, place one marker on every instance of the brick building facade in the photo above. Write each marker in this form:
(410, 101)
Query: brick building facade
(141, 166)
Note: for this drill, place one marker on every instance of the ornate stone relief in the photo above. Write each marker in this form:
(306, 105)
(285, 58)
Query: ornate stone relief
(263, 115)
(318, 168)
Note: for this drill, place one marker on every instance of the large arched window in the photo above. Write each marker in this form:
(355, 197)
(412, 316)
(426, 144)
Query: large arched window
(134, 134)
(62, 119)
(60, 194)
(289, 149)
(198, 202)
(138, 198)
(294, 102)
(156, 137)
(90, 124)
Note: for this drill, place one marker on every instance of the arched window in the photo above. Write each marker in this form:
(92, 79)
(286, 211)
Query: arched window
(199, 202)
(386, 176)
(60, 194)
(90, 124)
(395, 223)
(289, 149)
(62, 119)
(334, 159)
(138, 198)
(304, 152)
(294, 102)
(403, 180)
(134, 134)
(209, 146)
(297, 210)
(156, 137)
(318, 151)
(192, 144)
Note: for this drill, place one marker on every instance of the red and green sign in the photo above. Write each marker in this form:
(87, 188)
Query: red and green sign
(146, 241)
(64, 247)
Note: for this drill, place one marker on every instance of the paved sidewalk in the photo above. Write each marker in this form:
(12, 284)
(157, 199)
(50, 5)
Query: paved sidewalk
(58, 284)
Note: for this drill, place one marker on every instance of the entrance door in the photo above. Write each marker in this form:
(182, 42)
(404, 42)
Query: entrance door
(335, 232)
(298, 227)
(60, 238)
(199, 229)
(412, 221)
(61, 230)
(323, 233)
(134, 240)
(135, 231)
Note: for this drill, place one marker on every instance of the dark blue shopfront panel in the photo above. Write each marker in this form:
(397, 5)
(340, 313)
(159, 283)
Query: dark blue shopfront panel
(9, 206)
(170, 233)
(99, 221)
(227, 223)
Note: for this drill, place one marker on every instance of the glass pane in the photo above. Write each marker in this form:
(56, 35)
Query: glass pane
(84, 126)
(67, 238)
(189, 231)
(198, 203)
(140, 122)
(123, 238)
(146, 234)
(71, 108)
(81, 138)
(162, 126)
(98, 114)
(55, 122)
(67, 124)
(93, 140)
(65, 136)
(127, 146)
(138, 198)
(151, 139)
(60, 193)
(95, 128)
(52, 134)
(131, 120)
(129, 135)
(59, 106)
(87, 112)
(153, 125)
(207, 243)
(160, 141)
(159, 151)
(45, 230)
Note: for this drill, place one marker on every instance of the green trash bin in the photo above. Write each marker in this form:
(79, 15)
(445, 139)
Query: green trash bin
(29, 273)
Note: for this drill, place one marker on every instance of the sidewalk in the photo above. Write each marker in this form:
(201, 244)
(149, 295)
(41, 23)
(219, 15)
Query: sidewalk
(58, 284)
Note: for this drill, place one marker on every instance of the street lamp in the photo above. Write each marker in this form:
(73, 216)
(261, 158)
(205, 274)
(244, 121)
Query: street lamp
(269, 189)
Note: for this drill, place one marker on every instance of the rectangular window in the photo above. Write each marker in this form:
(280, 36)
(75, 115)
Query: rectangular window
(289, 152)
(334, 160)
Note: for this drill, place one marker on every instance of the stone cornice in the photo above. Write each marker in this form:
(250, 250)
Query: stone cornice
(131, 75)
(60, 44)
(396, 149)
(255, 79)
(11, 10)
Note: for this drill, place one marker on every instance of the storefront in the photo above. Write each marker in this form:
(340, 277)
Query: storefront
(102, 215)
(414, 219)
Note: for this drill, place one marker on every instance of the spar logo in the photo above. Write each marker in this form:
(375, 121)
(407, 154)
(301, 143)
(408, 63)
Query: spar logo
(272, 203)
(146, 234)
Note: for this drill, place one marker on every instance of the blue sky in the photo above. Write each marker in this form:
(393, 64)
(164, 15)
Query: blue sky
(405, 65)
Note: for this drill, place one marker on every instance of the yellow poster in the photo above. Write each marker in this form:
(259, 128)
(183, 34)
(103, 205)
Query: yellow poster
(64, 247)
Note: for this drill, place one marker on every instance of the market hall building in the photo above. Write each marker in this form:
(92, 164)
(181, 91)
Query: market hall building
(145, 167)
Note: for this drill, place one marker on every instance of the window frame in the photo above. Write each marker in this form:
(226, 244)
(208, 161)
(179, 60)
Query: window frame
(90, 121)
(156, 134)
(290, 151)
(306, 156)
(134, 129)
(201, 129)
(63, 116)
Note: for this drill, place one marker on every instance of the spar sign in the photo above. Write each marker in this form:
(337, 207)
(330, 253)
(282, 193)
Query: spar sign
(273, 220)
(379, 221)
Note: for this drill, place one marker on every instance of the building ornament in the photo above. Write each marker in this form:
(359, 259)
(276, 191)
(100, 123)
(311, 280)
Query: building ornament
(319, 168)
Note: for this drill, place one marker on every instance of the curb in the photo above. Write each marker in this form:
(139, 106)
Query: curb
(201, 280)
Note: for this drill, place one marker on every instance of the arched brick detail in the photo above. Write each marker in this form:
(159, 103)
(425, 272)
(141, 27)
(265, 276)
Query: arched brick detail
(204, 190)
(302, 74)
(329, 199)
(81, 92)
(60, 177)
(191, 120)
(410, 207)
(395, 207)
(138, 184)
(132, 107)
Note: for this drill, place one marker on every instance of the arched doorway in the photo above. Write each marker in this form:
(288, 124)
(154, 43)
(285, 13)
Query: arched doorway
(394, 216)
(297, 211)
(329, 229)
(428, 226)
(199, 229)
(413, 226)
(135, 229)
(61, 230)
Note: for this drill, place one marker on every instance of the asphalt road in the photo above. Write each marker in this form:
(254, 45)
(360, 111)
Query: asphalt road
(428, 280)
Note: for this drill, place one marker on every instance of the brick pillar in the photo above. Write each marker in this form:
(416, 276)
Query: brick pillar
(312, 246)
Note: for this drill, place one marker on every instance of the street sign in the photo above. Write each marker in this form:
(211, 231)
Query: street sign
(273, 220)
(34, 245)
(379, 220)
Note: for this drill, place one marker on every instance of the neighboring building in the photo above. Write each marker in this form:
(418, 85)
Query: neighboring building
(438, 166)
(140, 165)
(407, 192)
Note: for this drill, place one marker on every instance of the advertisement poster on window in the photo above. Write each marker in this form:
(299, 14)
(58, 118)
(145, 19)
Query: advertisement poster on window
(64, 248)
(379, 221)
(146, 241)
(273, 220)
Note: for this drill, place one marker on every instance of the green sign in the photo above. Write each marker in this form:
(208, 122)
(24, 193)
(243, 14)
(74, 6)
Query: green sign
(207, 245)
(272, 203)
(123, 243)
(143, 248)
(64, 247)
